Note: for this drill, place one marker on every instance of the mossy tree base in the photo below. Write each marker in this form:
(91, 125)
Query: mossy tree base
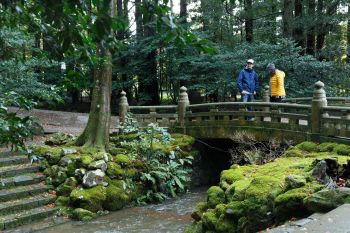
(96, 132)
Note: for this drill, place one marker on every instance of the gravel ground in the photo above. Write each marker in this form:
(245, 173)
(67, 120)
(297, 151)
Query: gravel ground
(57, 121)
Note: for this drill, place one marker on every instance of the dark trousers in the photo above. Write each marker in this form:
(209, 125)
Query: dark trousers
(276, 99)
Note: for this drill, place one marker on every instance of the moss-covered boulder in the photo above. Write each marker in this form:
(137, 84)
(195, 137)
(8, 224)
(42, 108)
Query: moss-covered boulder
(56, 175)
(327, 199)
(342, 149)
(215, 196)
(90, 199)
(114, 170)
(308, 146)
(82, 214)
(67, 187)
(252, 197)
(57, 139)
(51, 154)
(116, 198)
(122, 159)
(62, 201)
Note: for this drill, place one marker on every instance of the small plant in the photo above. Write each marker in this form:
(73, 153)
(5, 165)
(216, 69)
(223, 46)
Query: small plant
(167, 172)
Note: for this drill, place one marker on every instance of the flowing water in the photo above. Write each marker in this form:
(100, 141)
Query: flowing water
(171, 216)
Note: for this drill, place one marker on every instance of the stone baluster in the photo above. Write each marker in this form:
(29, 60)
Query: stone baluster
(182, 105)
(266, 98)
(319, 100)
(123, 106)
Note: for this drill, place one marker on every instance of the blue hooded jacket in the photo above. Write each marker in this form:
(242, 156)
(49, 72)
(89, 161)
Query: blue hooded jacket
(247, 80)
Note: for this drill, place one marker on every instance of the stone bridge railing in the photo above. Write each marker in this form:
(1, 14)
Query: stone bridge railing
(315, 120)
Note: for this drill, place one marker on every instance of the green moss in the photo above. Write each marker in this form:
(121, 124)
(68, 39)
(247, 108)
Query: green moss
(342, 149)
(295, 152)
(116, 198)
(86, 160)
(91, 199)
(122, 159)
(195, 227)
(62, 201)
(114, 170)
(295, 181)
(308, 146)
(326, 146)
(88, 150)
(326, 200)
(201, 207)
(215, 196)
(82, 215)
(263, 188)
(51, 154)
(66, 188)
(117, 150)
(231, 175)
(56, 175)
(115, 182)
(131, 173)
(210, 220)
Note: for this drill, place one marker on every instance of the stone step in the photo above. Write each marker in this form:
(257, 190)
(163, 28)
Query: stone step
(13, 160)
(18, 169)
(15, 206)
(22, 191)
(25, 179)
(25, 217)
(10, 153)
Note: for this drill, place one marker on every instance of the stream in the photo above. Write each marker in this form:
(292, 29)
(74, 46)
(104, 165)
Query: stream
(171, 216)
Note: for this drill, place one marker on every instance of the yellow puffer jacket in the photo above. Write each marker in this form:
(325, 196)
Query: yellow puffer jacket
(277, 84)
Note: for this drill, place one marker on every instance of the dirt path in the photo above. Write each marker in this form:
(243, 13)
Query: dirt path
(58, 121)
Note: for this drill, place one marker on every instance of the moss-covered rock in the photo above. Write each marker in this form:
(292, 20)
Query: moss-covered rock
(327, 199)
(342, 149)
(295, 181)
(51, 154)
(114, 170)
(116, 198)
(201, 207)
(82, 214)
(56, 175)
(91, 199)
(62, 201)
(308, 146)
(66, 188)
(57, 139)
(295, 152)
(122, 159)
(326, 146)
(86, 160)
(215, 195)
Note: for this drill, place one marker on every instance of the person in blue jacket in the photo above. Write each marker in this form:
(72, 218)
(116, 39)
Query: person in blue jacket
(247, 82)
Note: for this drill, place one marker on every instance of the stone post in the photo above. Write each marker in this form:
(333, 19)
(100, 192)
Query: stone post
(182, 105)
(266, 96)
(319, 101)
(123, 106)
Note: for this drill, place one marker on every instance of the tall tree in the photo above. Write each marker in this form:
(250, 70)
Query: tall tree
(311, 34)
(298, 33)
(183, 11)
(138, 20)
(248, 5)
(287, 18)
(320, 30)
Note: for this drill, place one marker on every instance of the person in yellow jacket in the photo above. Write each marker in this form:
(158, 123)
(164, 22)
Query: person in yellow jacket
(277, 91)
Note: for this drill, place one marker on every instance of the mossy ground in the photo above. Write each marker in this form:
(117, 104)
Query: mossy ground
(252, 197)
(65, 165)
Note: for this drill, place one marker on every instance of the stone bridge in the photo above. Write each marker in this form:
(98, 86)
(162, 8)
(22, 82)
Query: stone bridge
(317, 118)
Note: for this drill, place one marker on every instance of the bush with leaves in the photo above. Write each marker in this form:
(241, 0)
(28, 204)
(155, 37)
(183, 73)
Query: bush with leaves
(167, 171)
(13, 129)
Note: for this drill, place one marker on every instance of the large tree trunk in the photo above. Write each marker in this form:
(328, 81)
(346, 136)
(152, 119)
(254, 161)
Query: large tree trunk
(96, 132)
(311, 34)
(348, 36)
(138, 20)
(148, 84)
(248, 4)
(298, 25)
(320, 30)
(183, 11)
(287, 18)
